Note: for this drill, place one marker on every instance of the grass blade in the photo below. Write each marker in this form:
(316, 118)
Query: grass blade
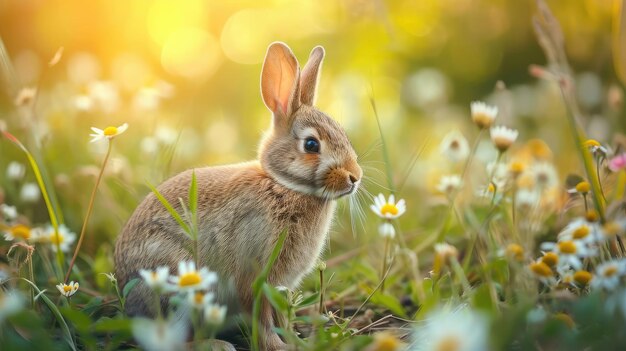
(170, 209)
(44, 193)
(57, 314)
(257, 288)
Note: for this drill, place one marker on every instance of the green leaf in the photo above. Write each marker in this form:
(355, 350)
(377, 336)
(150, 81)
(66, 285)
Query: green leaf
(106, 324)
(309, 300)
(257, 288)
(390, 302)
(277, 299)
(129, 286)
(170, 209)
(93, 305)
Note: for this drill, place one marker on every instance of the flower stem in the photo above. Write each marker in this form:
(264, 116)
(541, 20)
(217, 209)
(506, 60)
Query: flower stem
(89, 210)
(579, 138)
(321, 309)
(383, 275)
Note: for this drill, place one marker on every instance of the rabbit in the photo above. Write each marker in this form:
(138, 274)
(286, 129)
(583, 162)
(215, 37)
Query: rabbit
(305, 163)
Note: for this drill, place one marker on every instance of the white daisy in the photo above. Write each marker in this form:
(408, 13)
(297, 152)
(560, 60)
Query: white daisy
(542, 271)
(386, 230)
(68, 290)
(160, 334)
(449, 184)
(18, 232)
(580, 229)
(454, 146)
(483, 115)
(15, 170)
(30, 193)
(157, 279)
(596, 148)
(11, 302)
(25, 96)
(544, 174)
(199, 300)
(388, 208)
(65, 237)
(608, 275)
(190, 279)
(462, 330)
(526, 199)
(9, 213)
(214, 314)
(499, 174)
(570, 252)
(503, 137)
(108, 132)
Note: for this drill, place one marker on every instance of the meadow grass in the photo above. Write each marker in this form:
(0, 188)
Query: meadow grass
(502, 253)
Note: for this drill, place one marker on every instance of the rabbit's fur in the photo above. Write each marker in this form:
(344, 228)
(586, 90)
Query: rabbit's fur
(243, 208)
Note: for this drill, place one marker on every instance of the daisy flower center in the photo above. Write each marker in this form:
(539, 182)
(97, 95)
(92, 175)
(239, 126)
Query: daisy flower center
(197, 299)
(449, 344)
(189, 279)
(67, 288)
(389, 208)
(567, 247)
(541, 269)
(610, 271)
(110, 131)
(581, 232)
(20, 231)
(56, 238)
(515, 251)
(550, 259)
(582, 277)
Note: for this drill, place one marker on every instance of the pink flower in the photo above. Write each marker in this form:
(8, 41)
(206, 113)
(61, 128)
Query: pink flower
(618, 162)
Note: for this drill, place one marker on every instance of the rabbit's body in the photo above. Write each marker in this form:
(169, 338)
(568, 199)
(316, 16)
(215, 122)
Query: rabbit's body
(305, 163)
(239, 210)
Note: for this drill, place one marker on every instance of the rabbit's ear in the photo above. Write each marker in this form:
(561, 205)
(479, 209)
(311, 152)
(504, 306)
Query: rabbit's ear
(280, 78)
(310, 74)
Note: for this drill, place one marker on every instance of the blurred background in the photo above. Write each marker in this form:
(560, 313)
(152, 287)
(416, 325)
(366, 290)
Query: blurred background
(185, 76)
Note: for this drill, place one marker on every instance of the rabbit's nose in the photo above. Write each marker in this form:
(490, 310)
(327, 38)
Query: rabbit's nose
(353, 179)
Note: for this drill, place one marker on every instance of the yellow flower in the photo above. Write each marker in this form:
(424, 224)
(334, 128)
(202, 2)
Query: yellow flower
(108, 132)
(68, 290)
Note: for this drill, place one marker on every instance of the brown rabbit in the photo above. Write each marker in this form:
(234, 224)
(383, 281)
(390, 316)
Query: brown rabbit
(305, 163)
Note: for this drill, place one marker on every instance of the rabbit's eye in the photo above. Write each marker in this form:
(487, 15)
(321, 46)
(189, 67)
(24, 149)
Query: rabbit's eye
(311, 145)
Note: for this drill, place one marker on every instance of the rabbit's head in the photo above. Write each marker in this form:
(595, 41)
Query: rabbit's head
(305, 150)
